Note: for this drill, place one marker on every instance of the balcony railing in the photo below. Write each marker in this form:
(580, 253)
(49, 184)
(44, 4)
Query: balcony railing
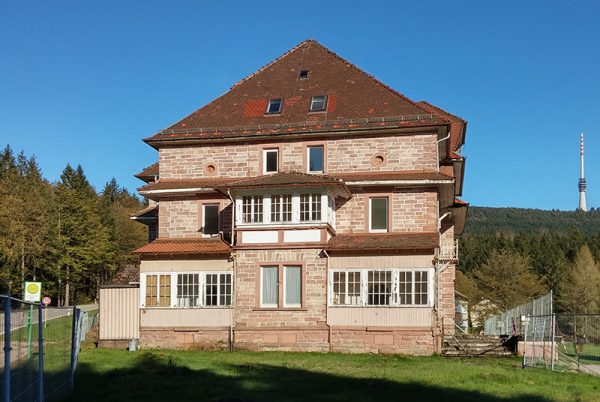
(449, 250)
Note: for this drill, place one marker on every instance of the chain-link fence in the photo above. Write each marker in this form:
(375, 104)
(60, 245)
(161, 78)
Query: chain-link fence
(563, 342)
(510, 322)
(39, 350)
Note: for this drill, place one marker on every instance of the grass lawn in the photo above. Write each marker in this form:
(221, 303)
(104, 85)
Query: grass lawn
(166, 375)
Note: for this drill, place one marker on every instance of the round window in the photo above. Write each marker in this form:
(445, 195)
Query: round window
(378, 160)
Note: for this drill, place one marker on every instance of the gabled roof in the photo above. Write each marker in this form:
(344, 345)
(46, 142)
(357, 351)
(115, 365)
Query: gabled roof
(384, 242)
(209, 246)
(149, 173)
(355, 100)
(458, 127)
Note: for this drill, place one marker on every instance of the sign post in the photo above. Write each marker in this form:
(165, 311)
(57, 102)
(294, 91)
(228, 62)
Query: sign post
(33, 293)
(46, 300)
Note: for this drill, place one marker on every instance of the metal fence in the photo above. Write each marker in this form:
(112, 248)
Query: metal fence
(510, 323)
(563, 342)
(39, 350)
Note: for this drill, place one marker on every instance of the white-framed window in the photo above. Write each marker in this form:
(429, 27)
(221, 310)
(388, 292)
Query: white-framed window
(281, 208)
(346, 288)
(158, 290)
(381, 287)
(210, 219)
(274, 106)
(218, 289)
(252, 209)
(315, 157)
(378, 214)
(292, 286)
(289, 295)
(186, 289)
(284, 208)
(310, 207)
(318, 103)
(269, 286)
(270, 160)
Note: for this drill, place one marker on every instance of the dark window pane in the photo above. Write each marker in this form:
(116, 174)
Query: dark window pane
(274, 106)
(315, 159)
(379, 213)
(211, 219)
(318, 103)
(271, 161)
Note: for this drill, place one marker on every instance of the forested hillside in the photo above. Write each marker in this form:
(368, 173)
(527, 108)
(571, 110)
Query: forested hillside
(65, 234)
(511, 255)
(521, 220)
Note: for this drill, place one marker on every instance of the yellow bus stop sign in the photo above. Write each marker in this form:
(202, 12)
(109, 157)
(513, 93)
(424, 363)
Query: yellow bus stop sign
(33, 292)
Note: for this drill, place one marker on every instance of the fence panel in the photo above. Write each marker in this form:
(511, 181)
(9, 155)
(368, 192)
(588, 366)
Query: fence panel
(564, 342)
(39, 349)
(509, 322)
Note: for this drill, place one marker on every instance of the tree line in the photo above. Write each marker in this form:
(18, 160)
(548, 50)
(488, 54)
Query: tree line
(64, 234)
(509, 256)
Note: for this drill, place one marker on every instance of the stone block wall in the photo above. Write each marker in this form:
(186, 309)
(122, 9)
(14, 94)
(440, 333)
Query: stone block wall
(412, 210)
(406, 152)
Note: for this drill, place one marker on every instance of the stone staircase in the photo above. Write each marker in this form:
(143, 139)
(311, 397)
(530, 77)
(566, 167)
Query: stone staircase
(463, 345)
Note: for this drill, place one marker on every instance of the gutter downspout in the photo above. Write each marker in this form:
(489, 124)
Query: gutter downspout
(437, 150)
(232, 217)
(327, 304)
(231, 326)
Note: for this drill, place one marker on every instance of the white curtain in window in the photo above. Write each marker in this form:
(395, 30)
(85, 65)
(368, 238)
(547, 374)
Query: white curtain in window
(269, 286)
(293, 284)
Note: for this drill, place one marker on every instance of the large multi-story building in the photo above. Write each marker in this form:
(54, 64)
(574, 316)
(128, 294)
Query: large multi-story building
(311, 207)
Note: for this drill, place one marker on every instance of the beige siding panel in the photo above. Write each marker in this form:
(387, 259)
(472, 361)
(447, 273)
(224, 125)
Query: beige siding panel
(379, 316)
(186, 265)
(381, 261)
(119, 313)
(186, 317)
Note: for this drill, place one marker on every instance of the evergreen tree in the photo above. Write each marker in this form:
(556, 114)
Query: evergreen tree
(580, 294)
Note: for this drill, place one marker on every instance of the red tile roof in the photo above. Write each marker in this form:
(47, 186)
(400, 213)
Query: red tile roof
(290, 179)
(185, 247)
(148, 212)
(149, 173)
(176, 184)
(384, 242)
(458, 127)
(406, 175)
(125, 276)
(355, 99)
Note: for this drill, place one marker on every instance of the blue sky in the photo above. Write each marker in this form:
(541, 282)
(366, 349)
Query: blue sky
(84, 82)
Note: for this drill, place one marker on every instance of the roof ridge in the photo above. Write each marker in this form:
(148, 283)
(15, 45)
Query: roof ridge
(287, 53)
(442, 110)
(371, 76)
(260, 70)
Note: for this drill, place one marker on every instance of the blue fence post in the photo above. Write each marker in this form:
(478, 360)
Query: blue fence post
(41, 354)
(74, 344)
(7, 349)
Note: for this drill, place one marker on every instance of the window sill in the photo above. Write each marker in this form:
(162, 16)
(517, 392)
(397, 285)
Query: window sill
(186, 308)
(360, 306)
(279, 309)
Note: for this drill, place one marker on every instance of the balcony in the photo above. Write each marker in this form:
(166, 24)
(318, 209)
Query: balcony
(449, 251)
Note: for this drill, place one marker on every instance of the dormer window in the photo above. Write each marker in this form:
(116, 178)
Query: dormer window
(274, 106)
(318, 103)
(270, 160)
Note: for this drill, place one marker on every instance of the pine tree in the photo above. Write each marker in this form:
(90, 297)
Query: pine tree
(580, 294)
(84, 241)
